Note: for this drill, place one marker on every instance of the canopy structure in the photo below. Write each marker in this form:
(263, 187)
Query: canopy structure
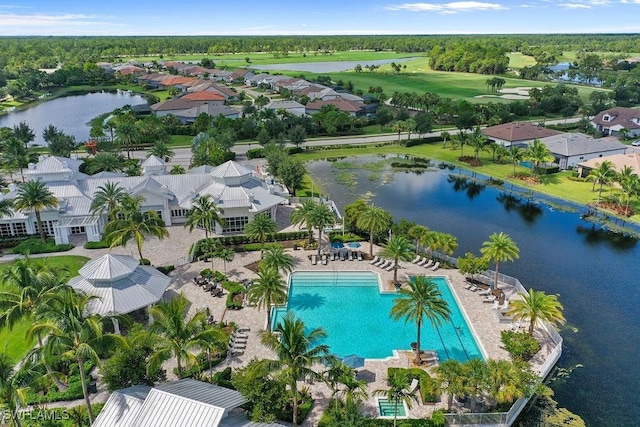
(121, 284)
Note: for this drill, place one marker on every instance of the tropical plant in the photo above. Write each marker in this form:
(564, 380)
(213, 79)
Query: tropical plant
(399, 249)
(105, 162)
(375, 220)
(296, 352)
(130, 224)
(398, 392)
(176, 335)
(508, 381)
(72, 332)
(161, 149)
(260, 228)
(321, 217)
(341, 380)
(418, 233)
(450, 373)
(301, 215)
(475, 379)
(602, 174)
(420, 298)
(535, 306)
(516, 155)
(34, 195)
(6, 208)
(226, 255)
(278, 259)
(109, 196)
(268, 289)
(205, 214)
(499, 248)
(538, 153)
(13, 391)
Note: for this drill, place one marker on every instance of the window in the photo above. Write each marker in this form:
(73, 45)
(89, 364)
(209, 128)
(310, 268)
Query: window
(178, 213)
(47, 225)
(235, 224)
(606, 118)
(5, 230)
(19, 228)
(77, 230)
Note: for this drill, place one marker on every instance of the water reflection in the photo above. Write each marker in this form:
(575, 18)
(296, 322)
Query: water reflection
(594, 235)
(461, 183)
(529, 211)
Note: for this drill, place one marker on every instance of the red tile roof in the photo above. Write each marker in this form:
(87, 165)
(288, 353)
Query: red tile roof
(339, 103)
(204, 96)
(519, 131)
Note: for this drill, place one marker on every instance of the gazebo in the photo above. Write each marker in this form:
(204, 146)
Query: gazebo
(121, 284)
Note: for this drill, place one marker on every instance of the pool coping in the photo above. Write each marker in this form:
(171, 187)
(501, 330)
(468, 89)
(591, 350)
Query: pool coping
(399, 417)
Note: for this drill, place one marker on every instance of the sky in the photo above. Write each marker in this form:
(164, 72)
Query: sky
(308, 17)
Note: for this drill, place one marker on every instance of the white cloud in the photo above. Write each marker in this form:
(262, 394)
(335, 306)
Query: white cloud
(446, 8)
(584, 4)
(574, 5)
(37, 20)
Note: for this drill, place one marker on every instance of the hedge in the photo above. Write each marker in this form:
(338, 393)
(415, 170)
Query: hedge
(336, 236)
(429, 390)
(257, 246)
(97, 245)
(10, 242)
(420, 141)
(243, 240)
(34, 245)
(233, 289)
(166, 269)
(255, 153)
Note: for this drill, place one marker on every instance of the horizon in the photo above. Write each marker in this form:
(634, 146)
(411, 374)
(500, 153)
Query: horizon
(31, 18)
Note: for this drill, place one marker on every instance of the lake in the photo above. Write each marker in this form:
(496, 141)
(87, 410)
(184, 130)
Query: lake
(327, 67)
(71, 114)
(595, 272)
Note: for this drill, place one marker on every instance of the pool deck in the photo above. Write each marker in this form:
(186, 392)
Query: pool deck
(479, 315)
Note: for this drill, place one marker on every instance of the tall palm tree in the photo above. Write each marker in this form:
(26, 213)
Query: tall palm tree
(499, 248)
(6, 208)
(260, 228)
(34, 195)
(296, 352)
(375, 220)
(268, 289)
(516, 155)
(301, 215)
(602, 174)
(417, 233)
(278, 259)
(398, 392)
(538, 153)
(226, 255)
(13, 393)
(627, 179)
(109, 196)
(131, 224)
(341, 380)
(72, 332)
(176, 335)
(508, 381)
(475, 379)
(399, 249)
(161, 149)
(127, 134)
(105, 162)
(451, 375)
(537, 305)
(204, 213)
(321, 217)
(419, 299)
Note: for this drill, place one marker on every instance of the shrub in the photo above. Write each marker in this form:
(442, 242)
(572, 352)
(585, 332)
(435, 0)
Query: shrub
(97, 245)
(202, 365)
(336, 236)
(257, 246)
(233, 289)
(420, 141)
(166, 269)
(255, 153)
(13, 241)
(35, 246)
(223, 378)
(429, 389)
(520, 345)
(145, 261)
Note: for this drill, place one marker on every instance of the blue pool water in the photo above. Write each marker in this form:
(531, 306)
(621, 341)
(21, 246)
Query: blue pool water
(355, 315)
(337, 245)
(389, 409)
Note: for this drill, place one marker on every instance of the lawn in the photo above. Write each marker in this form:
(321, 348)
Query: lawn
(518, 60)
(13, 341)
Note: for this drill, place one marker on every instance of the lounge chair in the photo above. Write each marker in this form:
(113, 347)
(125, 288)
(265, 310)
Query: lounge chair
(386, 265)
(325, 259)
(314, 260)
(422, 262)
(350, 256)
(391, 267)
(333, 256)
(374, 260)
(485, 292)
(428, 264)
(435, 266)
(416, 259)
(469, 286)
(342, 257)
(489, 299)
(380, 262)
(413, 386)
(515, 326)
(244, 329)
(359, 256)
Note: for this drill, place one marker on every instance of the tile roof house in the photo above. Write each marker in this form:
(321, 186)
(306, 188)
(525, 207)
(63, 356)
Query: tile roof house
(612, 121)
(570, 149)
(292, 107)
(518, 133)
(183, 403)
(353, 108)
(235, 189)
(619, 161)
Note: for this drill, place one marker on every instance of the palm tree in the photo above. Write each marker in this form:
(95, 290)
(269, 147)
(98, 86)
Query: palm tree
(508, 381)
(34, 195)
(398, 392)
(6, 208)
(475, 379)
(418, 233)
(226, 255)
(538, 153)
(602, 174)
(109, 196)
(627, 179)
(297, 352)
(451, 376)
(301, 215)
(72, 332)
(260, 228)
(338, 374)
(205, 214)
(419, 299)
(445, 136)
(13, 394)
(320, 218)
(399, 249)
(177, 336)
(105, 162)
(499, 248)
(161, 149)
(477, 140)
(131, 224)
(268, 289)
(127, 134)
(537, 305)
(374, 220)
(278, 259)
(516, 155)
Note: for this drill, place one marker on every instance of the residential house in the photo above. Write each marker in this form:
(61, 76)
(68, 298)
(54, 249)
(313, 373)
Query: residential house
(614, 120)
(570, 149)
(619, 161)
(292, 107)
(353, 108)
(519, 134)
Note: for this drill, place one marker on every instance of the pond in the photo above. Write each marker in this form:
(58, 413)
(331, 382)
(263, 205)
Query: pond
(595, 272)
(327, 67)
(71, 114)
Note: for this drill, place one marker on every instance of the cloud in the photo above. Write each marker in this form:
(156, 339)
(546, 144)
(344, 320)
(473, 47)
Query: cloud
(584, 4)
(446, 8)
(38, 20)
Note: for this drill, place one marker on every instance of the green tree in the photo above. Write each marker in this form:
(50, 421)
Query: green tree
(450, 373)
(499, 248)
(35, 196)
(602, 174)
(72, 333)
(108, 196)
(161, 149)
(127, 134)
(538, 153)
(420, 299)
(130, 223)
(268, 289)
(301, 216)
(384, 116)
(535, 306)
(23, 133)
(291, 172)
(296, 352)
(516, 155)
(6, 208)
(178, 336)
(177, 170)
(508, 381)
(13, 392)
(375, 220)
(226, 255)
(278, 259)
(321, 217)
(260, 228)
(471, 264)
(205, 214)
(107, 162)
(398, 392)
(399, 249)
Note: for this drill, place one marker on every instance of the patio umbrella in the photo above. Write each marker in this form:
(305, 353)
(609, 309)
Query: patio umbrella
(353, 361)
(354, 245)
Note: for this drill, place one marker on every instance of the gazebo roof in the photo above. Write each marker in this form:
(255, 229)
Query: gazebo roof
(109, 267)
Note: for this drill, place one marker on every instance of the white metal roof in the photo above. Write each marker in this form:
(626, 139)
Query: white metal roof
(109, 267)
(122, 407)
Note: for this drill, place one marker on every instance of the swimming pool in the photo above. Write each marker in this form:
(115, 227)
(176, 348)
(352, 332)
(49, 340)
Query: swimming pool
(355, 315)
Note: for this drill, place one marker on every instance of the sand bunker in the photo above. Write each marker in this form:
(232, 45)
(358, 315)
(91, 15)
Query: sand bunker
(520, 93)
